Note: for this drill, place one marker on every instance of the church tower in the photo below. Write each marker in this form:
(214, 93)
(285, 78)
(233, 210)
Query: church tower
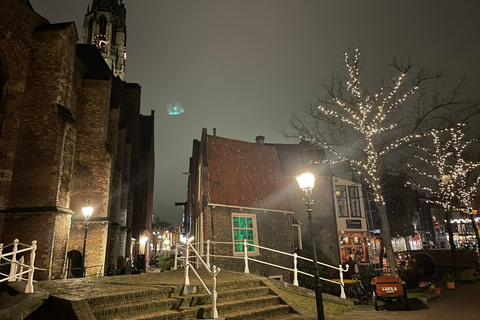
(105, 26)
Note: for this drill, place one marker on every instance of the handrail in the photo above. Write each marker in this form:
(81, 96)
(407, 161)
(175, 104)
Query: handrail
(246, 258)
(14, 274)
(213, 271)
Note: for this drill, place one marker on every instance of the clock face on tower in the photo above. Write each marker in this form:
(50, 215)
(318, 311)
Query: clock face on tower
(101, 41)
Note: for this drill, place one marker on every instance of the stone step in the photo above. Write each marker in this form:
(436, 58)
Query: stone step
(198, 306)
(268, 312)
(227, 285)
(165, 315)
(231, 294)
(137, 306)
(247, 304)
(164, 291)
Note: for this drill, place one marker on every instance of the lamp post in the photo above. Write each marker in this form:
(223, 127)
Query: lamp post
(306, 182)
(87, 213)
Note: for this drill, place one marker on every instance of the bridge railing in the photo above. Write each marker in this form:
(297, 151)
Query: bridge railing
(17, 267)
(247, 259)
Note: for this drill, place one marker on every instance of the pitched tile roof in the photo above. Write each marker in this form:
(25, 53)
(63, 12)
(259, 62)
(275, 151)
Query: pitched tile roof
(245, 174)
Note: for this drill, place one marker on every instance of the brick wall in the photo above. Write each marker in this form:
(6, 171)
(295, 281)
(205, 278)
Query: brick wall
(274, 231)
(43, 131)
(50, 229)
(17, 23)
(324, 218)
(96, 243)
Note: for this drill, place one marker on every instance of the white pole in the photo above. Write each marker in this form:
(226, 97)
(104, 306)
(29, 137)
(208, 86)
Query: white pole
(295, 270)
(208, 253)
(13, 263)
(176, 257)
(342, 285)
(187, 265)
(245, 251)
(214, 312)
(29, 287)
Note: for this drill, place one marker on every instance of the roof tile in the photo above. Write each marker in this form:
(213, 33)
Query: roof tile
(245, 174)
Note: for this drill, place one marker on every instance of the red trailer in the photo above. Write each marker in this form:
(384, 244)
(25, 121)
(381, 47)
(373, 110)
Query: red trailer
(388, 289)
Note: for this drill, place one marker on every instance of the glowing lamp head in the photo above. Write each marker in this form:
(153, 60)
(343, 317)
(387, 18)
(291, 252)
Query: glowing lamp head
(87, 212)
(306, 181)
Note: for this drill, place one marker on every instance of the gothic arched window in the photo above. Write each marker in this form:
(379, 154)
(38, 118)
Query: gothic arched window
(103, 26)
(90, 32)
(114, 34)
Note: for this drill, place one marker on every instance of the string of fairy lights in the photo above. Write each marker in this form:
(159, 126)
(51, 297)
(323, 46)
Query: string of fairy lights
(367, 115)
(450, 169)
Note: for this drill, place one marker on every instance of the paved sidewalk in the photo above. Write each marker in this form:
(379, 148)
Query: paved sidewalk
(462, 303)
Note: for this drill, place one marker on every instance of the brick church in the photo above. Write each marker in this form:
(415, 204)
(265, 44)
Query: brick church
(71, 136)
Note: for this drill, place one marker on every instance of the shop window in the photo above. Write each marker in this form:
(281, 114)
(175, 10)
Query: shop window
(354, 246)
(341, 195)
(244, 227)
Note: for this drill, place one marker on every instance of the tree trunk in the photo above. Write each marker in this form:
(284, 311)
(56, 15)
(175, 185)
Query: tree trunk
(380, 255)
(452, 243)
(387, 240)
(475, 229)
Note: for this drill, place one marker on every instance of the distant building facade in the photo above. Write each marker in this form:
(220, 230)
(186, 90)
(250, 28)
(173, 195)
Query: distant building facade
(71, 135)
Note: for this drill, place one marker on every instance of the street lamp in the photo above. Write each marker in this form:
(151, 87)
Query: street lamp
(306, 182)
(87, 213)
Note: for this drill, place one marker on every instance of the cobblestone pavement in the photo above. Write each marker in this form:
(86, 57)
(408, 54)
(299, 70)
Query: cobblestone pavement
(462, 303)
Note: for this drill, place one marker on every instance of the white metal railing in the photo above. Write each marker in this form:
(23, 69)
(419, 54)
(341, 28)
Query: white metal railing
(213, 271)
(246, 259)
(16, 267)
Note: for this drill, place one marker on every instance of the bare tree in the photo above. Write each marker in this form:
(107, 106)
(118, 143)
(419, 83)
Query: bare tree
(361, 130)
(447, 166)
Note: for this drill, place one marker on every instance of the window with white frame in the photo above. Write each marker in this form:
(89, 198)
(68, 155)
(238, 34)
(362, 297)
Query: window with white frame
(244, 227)
(354, 199)
(348, 201)
(342, 205)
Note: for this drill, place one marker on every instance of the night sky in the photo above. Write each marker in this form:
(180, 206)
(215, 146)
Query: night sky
(242, 66)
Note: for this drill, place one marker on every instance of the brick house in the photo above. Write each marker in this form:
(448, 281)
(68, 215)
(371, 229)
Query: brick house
(71, 135)
(239, 190)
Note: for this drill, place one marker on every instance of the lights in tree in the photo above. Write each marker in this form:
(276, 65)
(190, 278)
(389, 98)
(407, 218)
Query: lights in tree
(449, 169)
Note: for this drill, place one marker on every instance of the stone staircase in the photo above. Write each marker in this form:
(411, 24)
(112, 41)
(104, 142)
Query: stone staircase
(237, 300)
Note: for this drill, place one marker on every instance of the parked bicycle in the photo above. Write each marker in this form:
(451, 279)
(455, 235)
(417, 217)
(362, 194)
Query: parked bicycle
(356, 291)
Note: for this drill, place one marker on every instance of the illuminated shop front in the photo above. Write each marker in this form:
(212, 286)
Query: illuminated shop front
(354, 245)
(353, 235)
(463, 232)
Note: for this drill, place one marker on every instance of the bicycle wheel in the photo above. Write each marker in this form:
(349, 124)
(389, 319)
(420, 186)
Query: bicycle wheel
(375, 300)
(405, 297)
